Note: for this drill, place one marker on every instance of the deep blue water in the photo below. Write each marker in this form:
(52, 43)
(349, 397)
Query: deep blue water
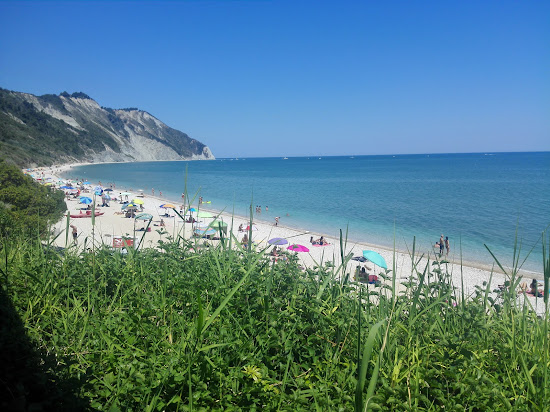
(475, 199)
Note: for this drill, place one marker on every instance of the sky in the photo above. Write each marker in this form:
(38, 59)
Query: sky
(298, 78)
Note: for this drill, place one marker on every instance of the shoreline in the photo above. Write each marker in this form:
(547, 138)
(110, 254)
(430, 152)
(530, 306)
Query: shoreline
(470, 275)
(455, 261)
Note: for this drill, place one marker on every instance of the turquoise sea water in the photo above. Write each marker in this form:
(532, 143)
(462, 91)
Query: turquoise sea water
(475, 199)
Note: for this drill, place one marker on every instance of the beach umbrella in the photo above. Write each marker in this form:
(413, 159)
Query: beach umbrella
(129, 206)
(375, 258)
(98, 189)
(277, 241)
(144, 216)
(167, 206)
(108, 190)
(298, 248)
(253, 228)
(217, 223)
(86, 183)
(66, 187)
(138, 201)
(203, 232)
(192, 209)
(85, 200)
(125, 193)
(204, 214)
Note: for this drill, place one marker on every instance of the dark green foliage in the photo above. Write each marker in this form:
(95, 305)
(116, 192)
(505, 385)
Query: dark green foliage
(80, 95)
(26, 205)
(217, 329)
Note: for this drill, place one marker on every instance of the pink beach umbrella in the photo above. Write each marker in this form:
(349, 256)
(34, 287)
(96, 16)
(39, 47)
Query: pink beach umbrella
(298, 248)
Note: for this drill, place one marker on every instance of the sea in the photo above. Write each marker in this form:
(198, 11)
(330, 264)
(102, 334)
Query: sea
(497, 202)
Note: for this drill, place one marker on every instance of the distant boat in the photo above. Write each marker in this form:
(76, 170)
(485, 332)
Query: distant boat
(285, 158)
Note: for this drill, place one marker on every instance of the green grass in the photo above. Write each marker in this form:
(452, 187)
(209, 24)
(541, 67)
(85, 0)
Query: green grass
(222, 328)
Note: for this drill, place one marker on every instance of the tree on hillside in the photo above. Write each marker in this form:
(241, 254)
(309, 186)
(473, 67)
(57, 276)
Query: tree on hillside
(26, 205)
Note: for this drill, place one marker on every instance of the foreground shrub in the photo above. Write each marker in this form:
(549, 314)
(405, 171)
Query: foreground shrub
(220, 329)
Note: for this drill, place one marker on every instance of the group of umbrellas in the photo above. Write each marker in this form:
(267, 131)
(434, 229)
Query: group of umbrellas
(279, 241)
(370, 255)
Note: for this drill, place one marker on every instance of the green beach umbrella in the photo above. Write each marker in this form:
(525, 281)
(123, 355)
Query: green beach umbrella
(375, 258)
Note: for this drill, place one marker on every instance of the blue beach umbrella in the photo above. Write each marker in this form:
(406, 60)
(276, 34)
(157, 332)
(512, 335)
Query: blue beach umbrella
(66, 187)
(375, 258)
(85, 200)
(144, 216)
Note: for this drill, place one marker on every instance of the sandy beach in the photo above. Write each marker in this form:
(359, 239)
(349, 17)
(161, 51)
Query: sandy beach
(112, 225)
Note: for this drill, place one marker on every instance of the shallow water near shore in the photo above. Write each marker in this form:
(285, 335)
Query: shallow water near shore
(475, 199)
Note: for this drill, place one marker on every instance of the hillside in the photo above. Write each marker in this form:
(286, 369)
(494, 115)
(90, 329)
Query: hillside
(42, 130)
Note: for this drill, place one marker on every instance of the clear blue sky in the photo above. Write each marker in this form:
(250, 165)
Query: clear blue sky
(288, 78)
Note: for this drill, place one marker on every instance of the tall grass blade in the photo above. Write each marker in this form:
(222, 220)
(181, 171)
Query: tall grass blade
(367, 351)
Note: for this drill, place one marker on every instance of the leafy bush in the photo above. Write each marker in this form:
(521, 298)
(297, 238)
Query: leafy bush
(26, 205)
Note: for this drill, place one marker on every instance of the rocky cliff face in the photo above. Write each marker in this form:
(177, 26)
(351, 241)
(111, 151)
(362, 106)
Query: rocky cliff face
(76, 128)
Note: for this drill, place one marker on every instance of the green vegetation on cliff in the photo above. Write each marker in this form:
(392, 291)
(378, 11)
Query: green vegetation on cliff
(30, 137)
(48, 129)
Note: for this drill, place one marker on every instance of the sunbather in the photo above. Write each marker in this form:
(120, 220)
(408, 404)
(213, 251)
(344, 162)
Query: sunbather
(535, 291)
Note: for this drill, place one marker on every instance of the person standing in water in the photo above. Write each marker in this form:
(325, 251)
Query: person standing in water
(447, 246)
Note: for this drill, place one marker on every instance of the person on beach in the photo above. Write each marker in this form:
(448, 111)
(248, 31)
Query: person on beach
(241, 227)
(266, 208)
(200, 200)
(75, 234)
(277, 221)
(244, 242)
(441, 245)
(160, 193)
(535, 290)
(447, 246)
(183, 197)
